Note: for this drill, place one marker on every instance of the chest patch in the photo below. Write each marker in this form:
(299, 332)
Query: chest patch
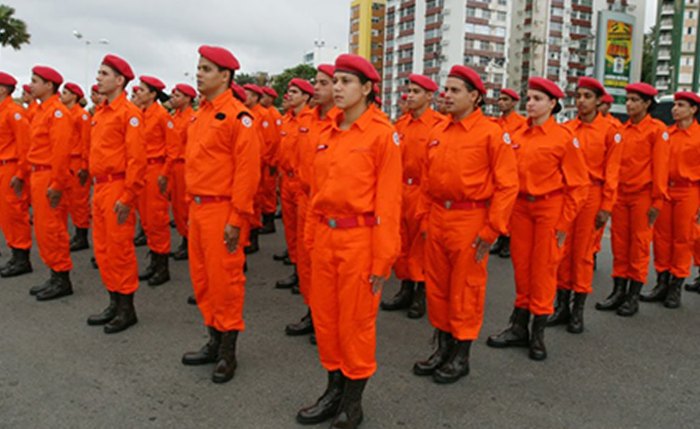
(618, 138)
(577, 144)
(321, 147)
(665, 136)
(18, 116)
(134, 121)
(506, 138)
(58, 114)
(247, 122)
(397, 139)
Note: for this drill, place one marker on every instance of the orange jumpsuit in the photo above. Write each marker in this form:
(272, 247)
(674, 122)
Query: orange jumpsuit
(268, 136)
(643, 184)
(269, 179)
(414, 144)
(222, 173)
(469, 187)
(357, 203)
(14, 144)
(162, 143)
(49, 159)
(512, 123)
(601, 145)
(117, 166)
(674, 229)
(79, 196)
(553, 188)
(31, 110)
(182, 120)
(290, 187)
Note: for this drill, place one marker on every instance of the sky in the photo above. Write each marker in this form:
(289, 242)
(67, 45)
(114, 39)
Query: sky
(161, 37)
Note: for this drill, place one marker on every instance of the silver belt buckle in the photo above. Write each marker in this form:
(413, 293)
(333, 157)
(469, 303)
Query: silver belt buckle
(332, 223)
(531, 198)
(448, 204)
(409, 181)
(197, 200)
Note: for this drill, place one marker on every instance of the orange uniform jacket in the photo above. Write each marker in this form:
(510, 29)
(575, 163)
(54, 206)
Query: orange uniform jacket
(117, 145)
(31, 110)
(182, 120)
(50, 141)
(81, 135)
(290, 130)
(684, 154)
(512, 123)
(14, 133)
(414, 141)
(162, 140)
(645, 158)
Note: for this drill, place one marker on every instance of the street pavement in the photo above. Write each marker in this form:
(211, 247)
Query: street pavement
(57, 372)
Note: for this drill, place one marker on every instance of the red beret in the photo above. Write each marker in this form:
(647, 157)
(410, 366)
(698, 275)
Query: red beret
(239, 92)
(6, 79)
(186, 90)
(270, 91)
(424, 82)
(327, 69)
(254, 88)
(592, 84)
(356, 64)
(546, 86)
(95, 88)
(607, 98)
(49, 74)
(376, 89)
(642, 88)
(220, 56)
(404, 97)
(688, 96)
(118, 64)
(27, 89)
(511, 93)
(75, 89)
(470, 75)
(153, 82)
(303, 85)
(378, 100)
(442, 95)
(135, 89)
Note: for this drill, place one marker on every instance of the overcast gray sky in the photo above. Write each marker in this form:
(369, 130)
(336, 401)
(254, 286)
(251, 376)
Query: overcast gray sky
(160, 37)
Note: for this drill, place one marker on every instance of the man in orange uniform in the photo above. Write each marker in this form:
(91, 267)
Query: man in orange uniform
(117, 166)
(269, 178)
(299, 92)
(321, 117)
(222, 173)
(601, 145)
(469, 185)
(30, 102)
(181, 101)
(97, 100)
(48, 162)
(606, 102)
(162, 144)
(14, 207)
(413, 129)
(641, 194)
(79, 190)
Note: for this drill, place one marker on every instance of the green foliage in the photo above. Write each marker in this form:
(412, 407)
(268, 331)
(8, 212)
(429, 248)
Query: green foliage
(13, 31)
(648, 55)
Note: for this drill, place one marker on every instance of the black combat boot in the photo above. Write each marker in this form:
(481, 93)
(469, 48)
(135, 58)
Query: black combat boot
(59, 287)
(107, 314)
(226, 360)
(140, 239)
(575, 325)
(562, 311)
(695, 286)
(497, 246)
(538, 351)
(79, 240)
(505, 249)
(161, 270)
(281, 256)
(456, 366)
(303, 327)
(417, 309)
(289, 282)
(631, 305)
(208, 353)
(658, 293)
(34, 290)
(254, 246)
(182, 253)
(191, 300)
(150, 268)
(18, 264)
(268, 224)
(350, 411)
(327, 405)
(517, 334)
(125, 317)
(402, 299)
(445, 343)
(673, 297)
(616, 298)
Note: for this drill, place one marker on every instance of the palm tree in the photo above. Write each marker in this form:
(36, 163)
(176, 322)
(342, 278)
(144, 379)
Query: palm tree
(13, 31)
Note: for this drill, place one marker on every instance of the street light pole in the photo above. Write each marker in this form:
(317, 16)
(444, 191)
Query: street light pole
(78, 35)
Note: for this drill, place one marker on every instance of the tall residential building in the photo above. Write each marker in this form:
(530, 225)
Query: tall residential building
(676, 58)
(367, 30)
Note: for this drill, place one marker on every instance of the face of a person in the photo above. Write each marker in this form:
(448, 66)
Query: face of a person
(348, 91)
(604, 108)
(586, 101)
(67, 97)
(682, 110)
(417, 97)
(108, 80)
(505, 103)
(458, 99)
(539, 104)
(178, 99)
(266, 101)
(296, 97)
(40, 87)
(323, 89)
(636, 105)
(96, 98)
(209, 78)
(251, 99)
(144, 96)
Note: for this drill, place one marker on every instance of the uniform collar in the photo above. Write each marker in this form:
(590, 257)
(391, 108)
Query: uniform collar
(691, 130)
(642, 124)
(424, 118)
(362, 122)
(468, 122)
(49, 102)
(597, 121)
(220, 100)
(545, 128)
(6, 101)
(117, 103)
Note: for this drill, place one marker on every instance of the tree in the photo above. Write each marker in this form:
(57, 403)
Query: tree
(648, 55)
(244, 78)
(13, 31)
(281, 81)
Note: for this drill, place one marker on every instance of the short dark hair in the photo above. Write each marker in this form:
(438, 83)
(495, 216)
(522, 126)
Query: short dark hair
(471, 88)
(233, 73)
(54, 85)
(118, 73)
(10, 88)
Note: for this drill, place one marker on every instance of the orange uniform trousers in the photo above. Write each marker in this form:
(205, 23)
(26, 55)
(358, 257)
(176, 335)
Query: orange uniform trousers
(115, 253)
(673, 232)
(78, 197)
(535, 253)
(178, 199)
(576, 267)
(631, 235)
(290, 190)
(455, 282)
(409, 265)
(14, 211)
(303, 255)
(342, 303)
(268, 184)
(50, 225)
(217, 275)
(696, 246)
(153, 210)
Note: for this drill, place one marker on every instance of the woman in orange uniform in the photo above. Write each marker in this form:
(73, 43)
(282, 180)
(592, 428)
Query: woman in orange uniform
(469, 187)
(673, 231)
(356, 203)
(553, 187)
(641, 194)
(601, 145)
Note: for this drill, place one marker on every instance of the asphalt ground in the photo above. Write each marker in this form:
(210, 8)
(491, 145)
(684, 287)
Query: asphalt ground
(57, 372)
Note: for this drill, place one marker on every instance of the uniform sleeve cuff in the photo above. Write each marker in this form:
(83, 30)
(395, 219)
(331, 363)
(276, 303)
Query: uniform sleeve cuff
(127, 198)
(658, 203)
(489, 234)
(381, 267)
(606, 206)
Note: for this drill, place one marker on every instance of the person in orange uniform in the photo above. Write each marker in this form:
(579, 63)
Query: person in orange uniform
(162, 148)
(413, 129)
(269, 178)
(181, 101)
(78, 193)
(601, 145)
(355, 215)
(674, 229)
(222, 173)
(641, 194)
(321, 117)
(511, 121)
(96, 98)
(29, 101)
(14, 207)
(606, 102)
(48, 162)
(469, 186)
(299, 93)
(553, 187)
(117, 167)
